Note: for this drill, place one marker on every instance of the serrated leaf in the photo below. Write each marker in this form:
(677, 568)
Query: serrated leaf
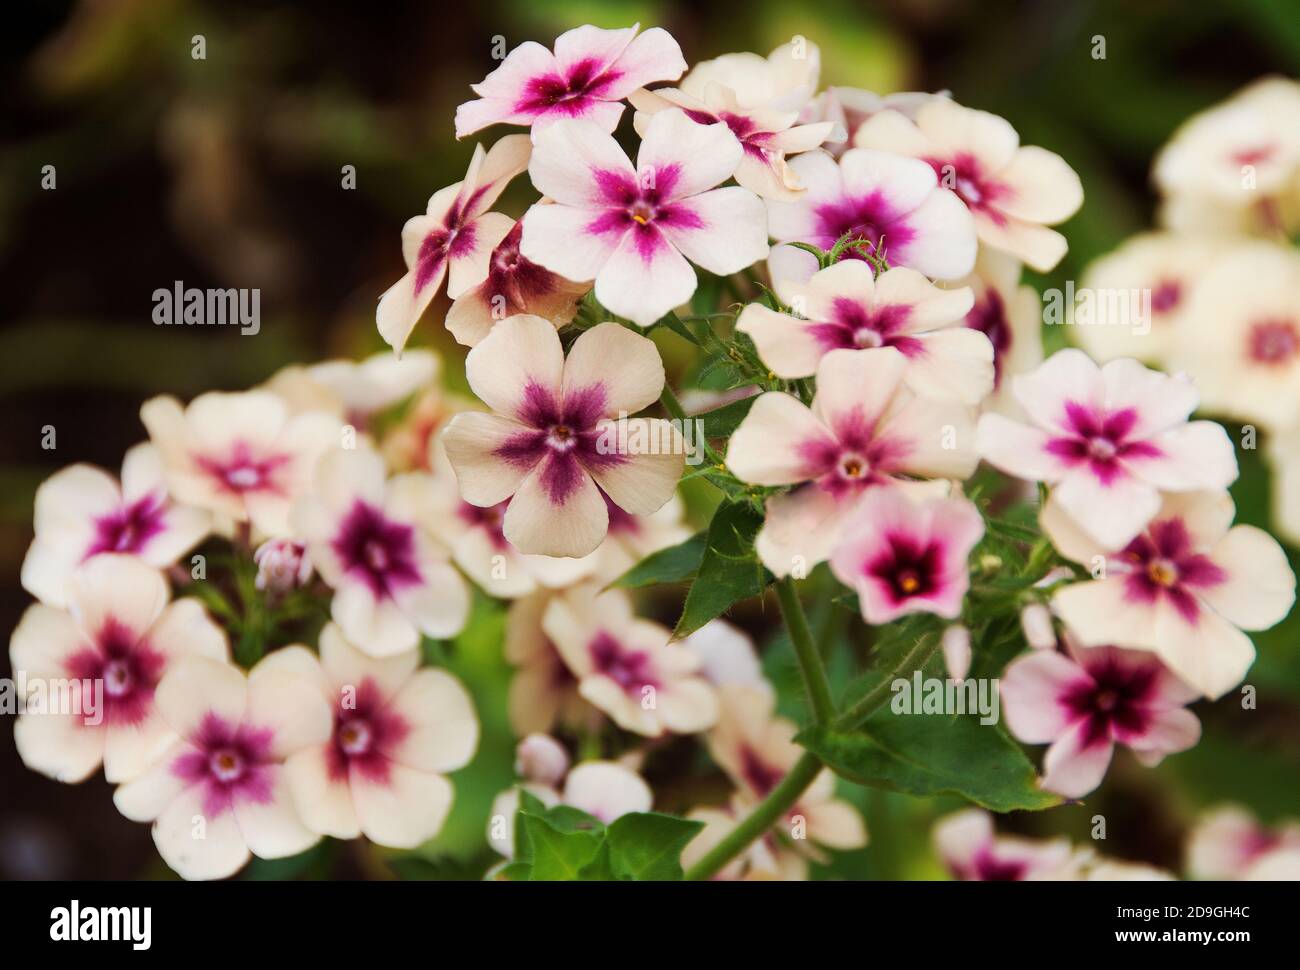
(647, 846)
(729, 569)
(672, 565)
(555, 854)
(600, 868)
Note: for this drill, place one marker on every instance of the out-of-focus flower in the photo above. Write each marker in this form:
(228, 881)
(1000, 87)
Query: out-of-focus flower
(116, 641)
(759, 100)
(849, 108)
(626, 666)
(1135, 301)
(633, 229)
(766, 859)
(453, 240)
(544, 692)
(972, 852)
(397, 730)
(391, 580)
(1229, 843)
(727, 656)
(756, 749)
(552, 446)
(901, 556)
(375, 384)
(1284, 452)
(1240, 340)
(864, 429)
(1036, 624)
(1184, 589)
(219, 793)
(541, 759)
(1010, 316)
(1116, 870)
(411, 443)
(956, 651)
(239, 455)
(282, 565)
(1086, 701)
(1236, 167)
(1013, 191)
(514, 285)
(633, 537)
(893, 204)
(843, 307)
(1109, 439)
(590, 73)
(82, 511)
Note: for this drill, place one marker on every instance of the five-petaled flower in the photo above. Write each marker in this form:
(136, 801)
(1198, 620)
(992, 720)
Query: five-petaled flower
(553, 446)
(590, 73)
(972, 852)
(1109, 439)
(1087, 700)
(633, 228)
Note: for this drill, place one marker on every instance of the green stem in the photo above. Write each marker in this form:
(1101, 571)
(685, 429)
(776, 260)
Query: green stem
(673, 406)
(914, 659)
(810, 661)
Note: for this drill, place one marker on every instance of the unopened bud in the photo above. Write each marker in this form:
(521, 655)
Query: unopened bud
(1036, 622)
(542, 759)
(956, 651)
(282, 564)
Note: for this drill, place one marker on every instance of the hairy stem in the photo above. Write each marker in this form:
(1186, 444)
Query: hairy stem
(810, 660)
(914, 659)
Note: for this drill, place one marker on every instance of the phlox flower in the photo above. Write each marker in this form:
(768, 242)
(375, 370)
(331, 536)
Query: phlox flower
(727, 656)
(408, 445)
(453, 240)
(391, 579)
(1010, 315)
(397, 730)
(849, 108)
(551, 445)
(1115, 870)
(238, 455)
(864, 429)
(590, 72)
(893, 204)
(121, 634)
(843, 307)
(541, 759)
(973, 852)
(766, 859)
(1112, 318)
(1013, 191)
(633, 537)
(282, 565)
(902, 556)
(543, 693)
(1240, 340)
(1183, 589)
(366, 388)
(83, 511)
(626, 666)
(1228, 842)
(220, 793)
(756, 749)
(1109, 439)
(513, 285)
(632, 229)
(1085, 701)
(759, 100)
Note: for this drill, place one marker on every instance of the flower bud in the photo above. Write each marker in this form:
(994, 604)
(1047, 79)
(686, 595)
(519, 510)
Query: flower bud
(542, 759)
(956, 651)
(282, 564)
(1036, 622)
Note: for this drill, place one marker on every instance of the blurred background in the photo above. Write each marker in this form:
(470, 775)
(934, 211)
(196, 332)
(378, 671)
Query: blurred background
(227, 172)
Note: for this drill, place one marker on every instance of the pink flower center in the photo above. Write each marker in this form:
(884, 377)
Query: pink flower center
(631, 669)
(854, 467)
(129, 528)
(1274, 342)
(118, 678)
(1164, 564)
(365, 733)
(377, 550)
(244, 471)
(355, 737)
(231, 762)
(1167, 295)
(128, 667)
(226, 765)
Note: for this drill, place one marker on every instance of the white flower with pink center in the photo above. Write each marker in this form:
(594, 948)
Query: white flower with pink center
(1184, 588)
(756, 749)
(543, 693)
(973, 852)
(1240, 340)
(903, 556)
(1089, 699)
(633, 229)
(865, 428)
(514, 285)
(82, 511)
(1228, 842)
(559, 440)
(626, 666)
(398, 729)
(1013, 191)
(759, 100)
(239, 455)
(368, 387)
(727, 656)
(589, 74)
(849, 108)
(843, 307)
(1010, 315)
(220, 793)
(391, 579)
(892, 205)
(454, 239)
(1109, 440)
(766, 859)
(116, 641)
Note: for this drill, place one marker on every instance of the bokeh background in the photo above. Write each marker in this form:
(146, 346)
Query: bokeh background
(226, 172)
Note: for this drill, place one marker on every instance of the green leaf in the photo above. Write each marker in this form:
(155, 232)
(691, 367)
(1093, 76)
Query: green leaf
(647, 846)
(556, 854)
(933, 754)
(722, 422)
(672, 565)
(729, 571)
(600, 868)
